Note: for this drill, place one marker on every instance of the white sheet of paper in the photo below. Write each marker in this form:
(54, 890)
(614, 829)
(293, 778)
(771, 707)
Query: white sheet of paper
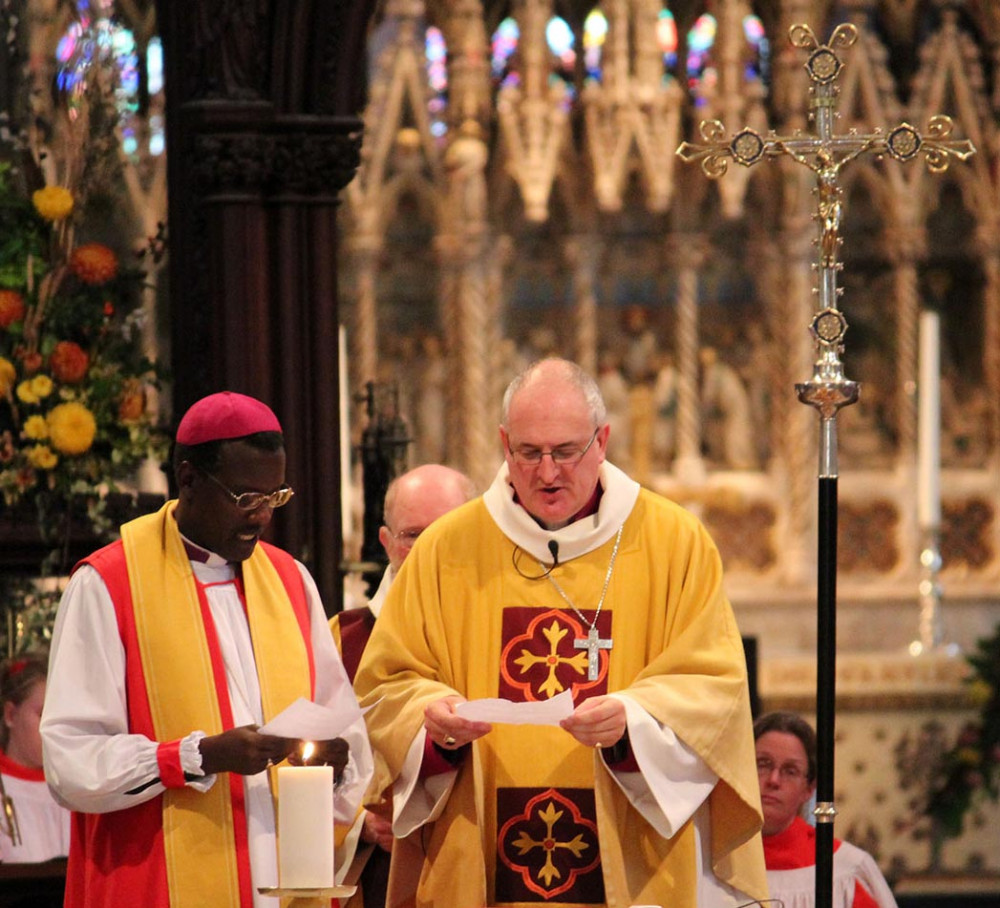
(541, 712)
(310, 721)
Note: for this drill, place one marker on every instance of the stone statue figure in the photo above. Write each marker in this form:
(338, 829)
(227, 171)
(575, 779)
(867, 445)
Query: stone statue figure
(727, 427)
(465, 163)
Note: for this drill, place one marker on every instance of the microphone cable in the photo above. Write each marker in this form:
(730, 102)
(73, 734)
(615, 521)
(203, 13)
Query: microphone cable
(518, 552)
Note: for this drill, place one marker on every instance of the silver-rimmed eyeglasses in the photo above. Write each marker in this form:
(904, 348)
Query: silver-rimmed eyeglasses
(251, 501)
(566, 455)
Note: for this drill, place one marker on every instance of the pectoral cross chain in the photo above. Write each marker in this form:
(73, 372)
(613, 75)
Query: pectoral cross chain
(593, 643)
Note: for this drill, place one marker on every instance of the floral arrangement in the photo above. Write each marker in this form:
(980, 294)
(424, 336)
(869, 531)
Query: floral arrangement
(74, 420)
(970, 770)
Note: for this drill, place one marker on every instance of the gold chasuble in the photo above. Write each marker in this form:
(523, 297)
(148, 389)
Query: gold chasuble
(539, 811)
(183, 693)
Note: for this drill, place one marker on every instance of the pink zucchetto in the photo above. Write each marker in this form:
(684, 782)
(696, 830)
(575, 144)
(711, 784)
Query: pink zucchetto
(224, 416)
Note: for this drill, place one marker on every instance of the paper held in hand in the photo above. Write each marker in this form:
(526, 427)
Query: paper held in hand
(541, 712)
(309, 721)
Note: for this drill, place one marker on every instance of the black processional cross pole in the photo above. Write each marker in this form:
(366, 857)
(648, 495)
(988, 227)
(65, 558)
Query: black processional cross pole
(825, 153)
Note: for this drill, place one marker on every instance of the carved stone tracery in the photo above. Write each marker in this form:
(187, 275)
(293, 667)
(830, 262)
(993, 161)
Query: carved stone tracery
(545, 205)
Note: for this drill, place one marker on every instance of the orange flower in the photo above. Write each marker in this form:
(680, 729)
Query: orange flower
(69, 362)
(94, 263)
(31, 362)
(133, 402)
(8, 375)
(11, 307)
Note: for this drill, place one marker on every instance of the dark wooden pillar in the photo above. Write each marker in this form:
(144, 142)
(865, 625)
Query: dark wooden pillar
(263, 132)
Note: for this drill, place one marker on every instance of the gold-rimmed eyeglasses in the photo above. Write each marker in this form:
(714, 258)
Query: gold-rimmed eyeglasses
(565, 455)
(251, 501)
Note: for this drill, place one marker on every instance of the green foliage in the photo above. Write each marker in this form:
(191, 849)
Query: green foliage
(970, 770)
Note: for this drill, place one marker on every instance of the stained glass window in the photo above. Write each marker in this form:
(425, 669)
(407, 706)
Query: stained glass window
(595, 32)
(666, 37)
(437, 77)
(701, 74)
(562, 43)
(154, 73)
(96, 41)
(503, 61)
(758, 65)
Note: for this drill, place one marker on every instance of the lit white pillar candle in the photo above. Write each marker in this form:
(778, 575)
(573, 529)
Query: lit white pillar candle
(929, 423)
(305, 827)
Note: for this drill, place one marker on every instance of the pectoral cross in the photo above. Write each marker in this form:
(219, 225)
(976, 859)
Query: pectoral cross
(593, 644)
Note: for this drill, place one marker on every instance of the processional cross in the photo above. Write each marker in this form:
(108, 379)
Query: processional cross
(826, 153)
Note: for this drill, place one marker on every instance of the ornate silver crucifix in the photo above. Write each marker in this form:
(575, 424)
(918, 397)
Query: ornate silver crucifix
(593, 644)
(825, 153)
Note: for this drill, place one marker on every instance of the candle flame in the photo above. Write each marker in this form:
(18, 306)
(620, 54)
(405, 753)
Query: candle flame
(307, 751)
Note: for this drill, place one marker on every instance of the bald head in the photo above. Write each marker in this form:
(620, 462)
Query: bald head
(555, 435)
(556, 373)
(415, 500)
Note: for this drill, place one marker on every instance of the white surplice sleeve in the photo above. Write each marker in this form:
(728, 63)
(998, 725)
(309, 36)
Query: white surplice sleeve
(416, 800)
(673, 781)
(672, 787)
(91, 760)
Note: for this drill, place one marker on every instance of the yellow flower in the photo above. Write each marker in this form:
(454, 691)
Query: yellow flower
(7, 375)
(53, 202)
(35, 427)
(42, 458)
(26, 394)
(71, 428)
(41, 386)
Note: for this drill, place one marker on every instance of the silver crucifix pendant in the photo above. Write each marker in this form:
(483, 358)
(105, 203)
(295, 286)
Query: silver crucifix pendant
(592, 644)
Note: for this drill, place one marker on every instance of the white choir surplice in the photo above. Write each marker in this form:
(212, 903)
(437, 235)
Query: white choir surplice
(94, 761)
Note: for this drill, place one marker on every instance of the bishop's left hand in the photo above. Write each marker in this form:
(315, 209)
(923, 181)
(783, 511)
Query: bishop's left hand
(597, 722)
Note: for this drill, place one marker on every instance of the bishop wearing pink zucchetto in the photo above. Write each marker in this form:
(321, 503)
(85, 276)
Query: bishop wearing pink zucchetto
(171, 647)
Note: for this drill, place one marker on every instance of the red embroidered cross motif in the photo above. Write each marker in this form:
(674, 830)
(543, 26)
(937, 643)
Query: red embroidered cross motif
(547, 846)
(539, 659)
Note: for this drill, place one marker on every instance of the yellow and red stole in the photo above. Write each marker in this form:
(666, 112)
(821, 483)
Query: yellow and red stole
(167, 626)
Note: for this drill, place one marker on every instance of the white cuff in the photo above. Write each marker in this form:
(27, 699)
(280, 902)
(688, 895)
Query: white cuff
(191, 753)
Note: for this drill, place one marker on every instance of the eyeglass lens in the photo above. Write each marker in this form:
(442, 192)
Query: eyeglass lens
(787, 771)
(251, 501)
(562, 454)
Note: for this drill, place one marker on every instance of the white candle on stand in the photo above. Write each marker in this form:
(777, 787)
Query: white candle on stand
(929, 423)
(305, 827)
